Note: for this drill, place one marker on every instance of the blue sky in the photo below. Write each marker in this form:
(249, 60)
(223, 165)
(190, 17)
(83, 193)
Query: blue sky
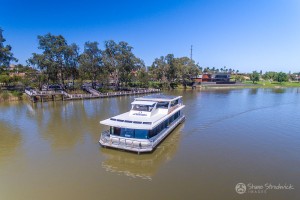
(241, 34)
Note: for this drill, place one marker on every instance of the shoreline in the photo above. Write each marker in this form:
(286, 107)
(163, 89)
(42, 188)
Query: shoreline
(24, 97)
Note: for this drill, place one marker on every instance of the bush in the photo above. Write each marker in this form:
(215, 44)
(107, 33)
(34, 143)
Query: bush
(156, 85)
(17, 94)
(133, 84)
(174, 85)
(104, 90)
(5, 95)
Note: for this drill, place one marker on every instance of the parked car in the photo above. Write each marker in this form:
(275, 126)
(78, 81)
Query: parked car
(53, 87)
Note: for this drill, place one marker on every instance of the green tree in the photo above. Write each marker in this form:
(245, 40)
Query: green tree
(171, 71)
(159, 71)
(254, 77)
(5, 79)
(120, 61)
(143, 77)
(53, 60)
(6, 56)
(281, 77)
(269, 76)
(72, 62)
(186, 70)
(91, 62)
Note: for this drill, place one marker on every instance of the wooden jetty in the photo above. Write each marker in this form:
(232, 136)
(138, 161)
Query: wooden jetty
(36, 95)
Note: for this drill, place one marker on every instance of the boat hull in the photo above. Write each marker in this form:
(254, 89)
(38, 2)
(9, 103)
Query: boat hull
(138, 145)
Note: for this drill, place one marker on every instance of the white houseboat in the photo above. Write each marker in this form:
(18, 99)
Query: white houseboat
(149, 121)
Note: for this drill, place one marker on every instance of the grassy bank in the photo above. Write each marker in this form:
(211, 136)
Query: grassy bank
(267, 84)
(11, 96)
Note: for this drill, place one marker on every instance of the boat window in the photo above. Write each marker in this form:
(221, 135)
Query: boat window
(174, 103)
(163, 104)
(127, 132)
(140, 107)
(115, 131)
(165, 123)
(152, 132)
(141, 134)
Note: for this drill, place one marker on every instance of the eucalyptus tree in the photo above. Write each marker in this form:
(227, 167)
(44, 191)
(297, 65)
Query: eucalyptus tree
(143, 77)
(6, 56)
(91, 62)
(159, 70)
(72, 62)
(53, 59)
(170, 70)
(186, 70)
(120, 61)
(172, 74)
(128, 63)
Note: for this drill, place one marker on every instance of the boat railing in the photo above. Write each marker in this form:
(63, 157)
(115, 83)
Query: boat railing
(127, 143)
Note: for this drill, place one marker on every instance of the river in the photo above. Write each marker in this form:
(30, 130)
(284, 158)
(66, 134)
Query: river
(250, 136)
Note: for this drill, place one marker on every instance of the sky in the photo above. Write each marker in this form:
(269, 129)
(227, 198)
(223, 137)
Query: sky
(245, 35)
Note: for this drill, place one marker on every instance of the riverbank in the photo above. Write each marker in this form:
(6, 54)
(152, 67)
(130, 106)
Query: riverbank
(7, 96)
(247, 84)
(12, 96)
(267, 84)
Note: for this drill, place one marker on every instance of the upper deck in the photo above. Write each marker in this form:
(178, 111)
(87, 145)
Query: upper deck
(158, 97)
(147, 112)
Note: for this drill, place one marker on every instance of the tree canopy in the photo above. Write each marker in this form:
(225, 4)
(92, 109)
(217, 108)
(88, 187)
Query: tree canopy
(57, 57)
(6, 56)
(114, 64)
(254, 77)
(120, 61)
(170, 70)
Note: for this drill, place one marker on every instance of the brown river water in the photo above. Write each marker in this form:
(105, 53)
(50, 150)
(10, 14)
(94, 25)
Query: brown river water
(50, 151)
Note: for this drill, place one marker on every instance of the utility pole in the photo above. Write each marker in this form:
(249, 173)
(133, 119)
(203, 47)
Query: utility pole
(191, 52)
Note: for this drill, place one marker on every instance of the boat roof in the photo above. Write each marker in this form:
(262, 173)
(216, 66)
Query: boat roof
(158, 97)
(126, 120)
(148, 103)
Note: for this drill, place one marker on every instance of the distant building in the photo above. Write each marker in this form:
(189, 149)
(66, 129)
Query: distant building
(217, 78)
(221, 77)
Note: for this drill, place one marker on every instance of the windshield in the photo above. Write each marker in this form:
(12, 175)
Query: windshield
(163, 105)
(146, 108)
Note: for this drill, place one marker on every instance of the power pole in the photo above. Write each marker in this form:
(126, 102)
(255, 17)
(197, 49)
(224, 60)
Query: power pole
(191, 52)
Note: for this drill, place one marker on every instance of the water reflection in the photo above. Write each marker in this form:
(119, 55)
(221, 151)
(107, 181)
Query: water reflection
(10, 140)
(253, 90)
(145, 165)
(65, 124)
(278, 90)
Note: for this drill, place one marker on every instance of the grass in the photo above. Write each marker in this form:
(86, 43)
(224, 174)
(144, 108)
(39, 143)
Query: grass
(274, 84)
(11, 95)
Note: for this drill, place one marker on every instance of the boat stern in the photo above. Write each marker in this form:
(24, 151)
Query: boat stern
(128, 144)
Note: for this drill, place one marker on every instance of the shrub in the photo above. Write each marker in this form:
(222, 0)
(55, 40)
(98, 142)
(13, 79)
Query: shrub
(17, 94)
(156, 85)
(5, 95)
